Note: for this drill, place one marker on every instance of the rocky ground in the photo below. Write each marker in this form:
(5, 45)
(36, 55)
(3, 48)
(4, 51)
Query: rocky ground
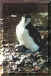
(19, 59)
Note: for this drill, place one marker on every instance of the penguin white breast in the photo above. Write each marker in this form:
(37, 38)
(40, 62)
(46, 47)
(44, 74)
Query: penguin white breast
(19, 32)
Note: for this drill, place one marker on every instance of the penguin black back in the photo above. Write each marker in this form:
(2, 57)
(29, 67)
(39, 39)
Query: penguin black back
(34, 33)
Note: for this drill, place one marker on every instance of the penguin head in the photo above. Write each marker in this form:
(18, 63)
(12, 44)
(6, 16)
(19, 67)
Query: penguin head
(27, 16)
(26, 19)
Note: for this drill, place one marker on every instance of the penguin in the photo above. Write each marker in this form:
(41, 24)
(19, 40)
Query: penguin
(27, 35)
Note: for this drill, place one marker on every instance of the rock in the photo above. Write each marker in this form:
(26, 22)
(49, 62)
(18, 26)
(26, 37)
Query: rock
(19, 59)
